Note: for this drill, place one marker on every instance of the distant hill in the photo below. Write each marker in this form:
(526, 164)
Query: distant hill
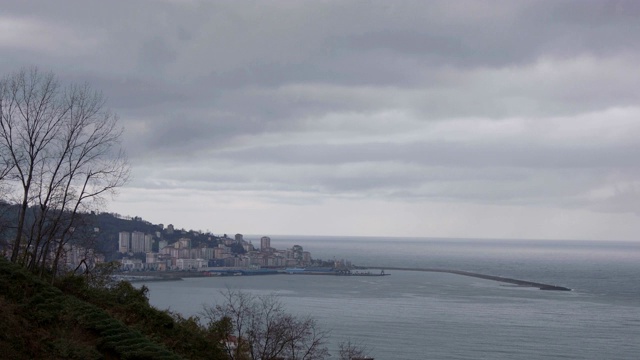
(110, 225)
(103, 230)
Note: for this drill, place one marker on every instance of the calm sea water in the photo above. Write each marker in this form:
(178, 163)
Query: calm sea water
(422, 315)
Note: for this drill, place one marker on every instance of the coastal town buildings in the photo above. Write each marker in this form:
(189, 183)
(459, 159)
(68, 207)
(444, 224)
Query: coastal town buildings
(159, 248)
(161, 251)
(132, 264)
(134, 242)
(183, 255)
(80, 257)
(190, 264)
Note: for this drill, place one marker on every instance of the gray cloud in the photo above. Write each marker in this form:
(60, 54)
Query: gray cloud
(523, 103)
(446, 154)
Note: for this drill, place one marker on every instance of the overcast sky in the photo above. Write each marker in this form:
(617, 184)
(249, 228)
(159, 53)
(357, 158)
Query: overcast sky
(479, 119)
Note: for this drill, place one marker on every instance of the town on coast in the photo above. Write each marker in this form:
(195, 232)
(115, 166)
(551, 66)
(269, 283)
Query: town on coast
(222, 260)
(140, 248)
(156, 252)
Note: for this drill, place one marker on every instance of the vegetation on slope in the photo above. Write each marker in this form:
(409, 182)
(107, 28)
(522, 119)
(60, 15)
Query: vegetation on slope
(75, 320)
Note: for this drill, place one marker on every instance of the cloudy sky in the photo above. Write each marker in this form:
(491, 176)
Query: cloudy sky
(480, 119)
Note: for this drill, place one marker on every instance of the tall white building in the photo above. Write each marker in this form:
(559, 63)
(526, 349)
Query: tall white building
(137, 242)
(265, 243)
(124, 241)
(148, 243)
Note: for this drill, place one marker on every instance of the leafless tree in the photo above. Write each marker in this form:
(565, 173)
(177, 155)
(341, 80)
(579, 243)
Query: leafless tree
(5, 161)
(259, 328)
(5, 206)
(63, 154)
(349, 350)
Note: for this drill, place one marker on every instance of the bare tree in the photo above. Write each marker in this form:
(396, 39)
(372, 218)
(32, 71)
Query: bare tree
(349, 350)
(6, 165)
(5, 206)
(63, 153)
(258, 328)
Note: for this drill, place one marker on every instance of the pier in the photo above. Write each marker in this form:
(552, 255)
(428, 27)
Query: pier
(523, 283)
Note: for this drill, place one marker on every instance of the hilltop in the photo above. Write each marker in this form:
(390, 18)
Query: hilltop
(109, 225)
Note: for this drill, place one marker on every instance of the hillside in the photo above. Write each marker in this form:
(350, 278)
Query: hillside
(79, 320)
(109, 225)
(101, 230)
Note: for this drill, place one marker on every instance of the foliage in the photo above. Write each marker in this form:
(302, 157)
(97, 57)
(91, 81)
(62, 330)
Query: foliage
(76, 320)
(237, 249)
(130, 305)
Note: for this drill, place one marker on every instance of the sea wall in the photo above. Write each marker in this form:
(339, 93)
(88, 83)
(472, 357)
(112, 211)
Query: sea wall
(518, 282)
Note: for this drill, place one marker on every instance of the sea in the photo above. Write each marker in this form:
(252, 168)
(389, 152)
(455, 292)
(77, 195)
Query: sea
(429, 315)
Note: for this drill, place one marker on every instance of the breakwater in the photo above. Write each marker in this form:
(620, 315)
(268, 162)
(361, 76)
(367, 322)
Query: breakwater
(518, 282)
(178, 275)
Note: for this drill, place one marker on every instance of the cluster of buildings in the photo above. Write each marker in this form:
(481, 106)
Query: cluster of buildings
(182, 255)
(135, 242)
(80, 257)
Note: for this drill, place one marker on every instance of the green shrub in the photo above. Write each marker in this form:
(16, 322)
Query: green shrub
(76, 320)
(66, 349)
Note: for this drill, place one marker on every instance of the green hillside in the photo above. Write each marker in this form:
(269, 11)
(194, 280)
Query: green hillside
(78, 320)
